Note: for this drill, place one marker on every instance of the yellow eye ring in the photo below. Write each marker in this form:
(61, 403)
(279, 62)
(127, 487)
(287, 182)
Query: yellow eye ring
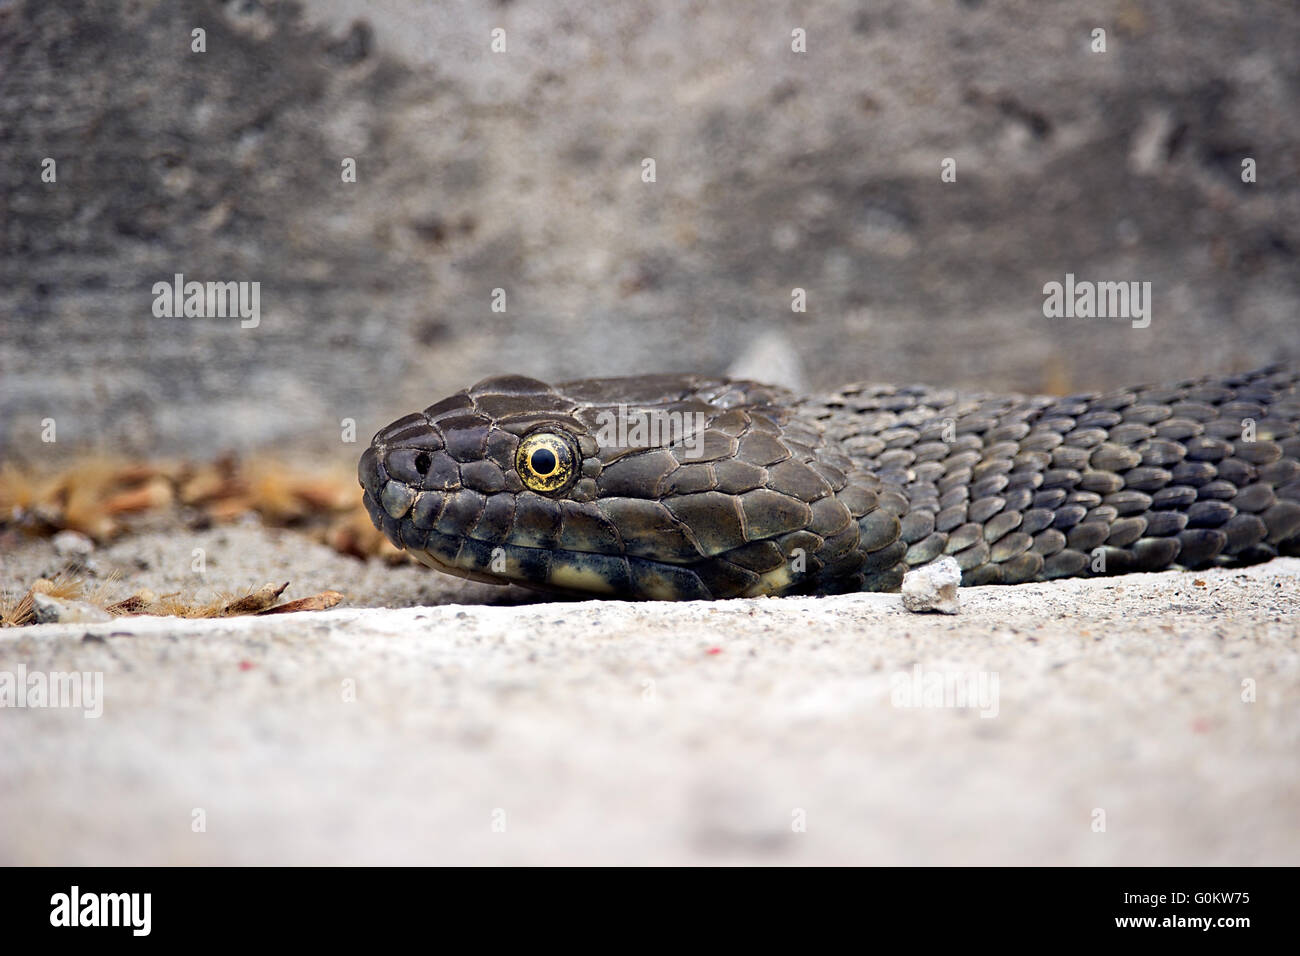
(545, 461)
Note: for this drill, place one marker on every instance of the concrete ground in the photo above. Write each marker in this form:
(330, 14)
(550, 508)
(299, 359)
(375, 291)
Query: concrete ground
(1152, 719)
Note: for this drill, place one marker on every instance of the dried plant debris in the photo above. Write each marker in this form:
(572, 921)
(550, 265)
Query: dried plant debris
(317, 602)
(137, 603)
(95, 499)
(68, 598)
(254, 601)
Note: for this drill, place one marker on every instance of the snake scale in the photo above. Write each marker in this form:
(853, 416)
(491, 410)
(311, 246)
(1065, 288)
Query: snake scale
(749, 490)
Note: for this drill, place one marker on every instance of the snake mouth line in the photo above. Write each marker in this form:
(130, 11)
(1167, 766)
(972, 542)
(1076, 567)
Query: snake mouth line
(461, 556)
(563, 571)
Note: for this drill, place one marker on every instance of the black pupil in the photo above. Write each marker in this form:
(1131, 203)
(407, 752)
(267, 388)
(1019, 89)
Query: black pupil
(422, 462)
(543, 461)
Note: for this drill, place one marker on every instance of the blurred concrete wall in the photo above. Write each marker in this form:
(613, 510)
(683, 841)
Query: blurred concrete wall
(522, 170)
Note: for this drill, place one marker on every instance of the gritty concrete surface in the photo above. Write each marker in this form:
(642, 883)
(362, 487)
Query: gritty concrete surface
(772, 731)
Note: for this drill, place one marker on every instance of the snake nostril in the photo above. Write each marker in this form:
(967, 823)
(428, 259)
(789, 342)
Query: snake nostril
(422, 462)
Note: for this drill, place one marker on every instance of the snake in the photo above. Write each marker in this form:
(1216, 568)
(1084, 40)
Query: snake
(691, 487)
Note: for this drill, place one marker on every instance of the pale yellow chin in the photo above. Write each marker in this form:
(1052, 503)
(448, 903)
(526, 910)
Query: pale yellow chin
(771, 582)
(574, 578)
(430, 561)
(563, 576)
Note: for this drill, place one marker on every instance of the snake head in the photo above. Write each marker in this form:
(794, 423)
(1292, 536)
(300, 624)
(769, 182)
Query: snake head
(658, 487)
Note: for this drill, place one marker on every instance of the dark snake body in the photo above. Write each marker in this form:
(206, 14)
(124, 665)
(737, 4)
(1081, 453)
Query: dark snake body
(844, 492)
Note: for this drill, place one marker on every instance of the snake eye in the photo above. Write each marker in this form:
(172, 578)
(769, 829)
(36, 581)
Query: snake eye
(545, 461)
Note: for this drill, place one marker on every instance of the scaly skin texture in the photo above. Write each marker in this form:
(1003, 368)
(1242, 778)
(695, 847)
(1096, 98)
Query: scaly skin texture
(748, 490)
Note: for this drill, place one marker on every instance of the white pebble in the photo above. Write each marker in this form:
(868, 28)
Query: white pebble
(72, 544)
(50, 610)
(933, 587)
